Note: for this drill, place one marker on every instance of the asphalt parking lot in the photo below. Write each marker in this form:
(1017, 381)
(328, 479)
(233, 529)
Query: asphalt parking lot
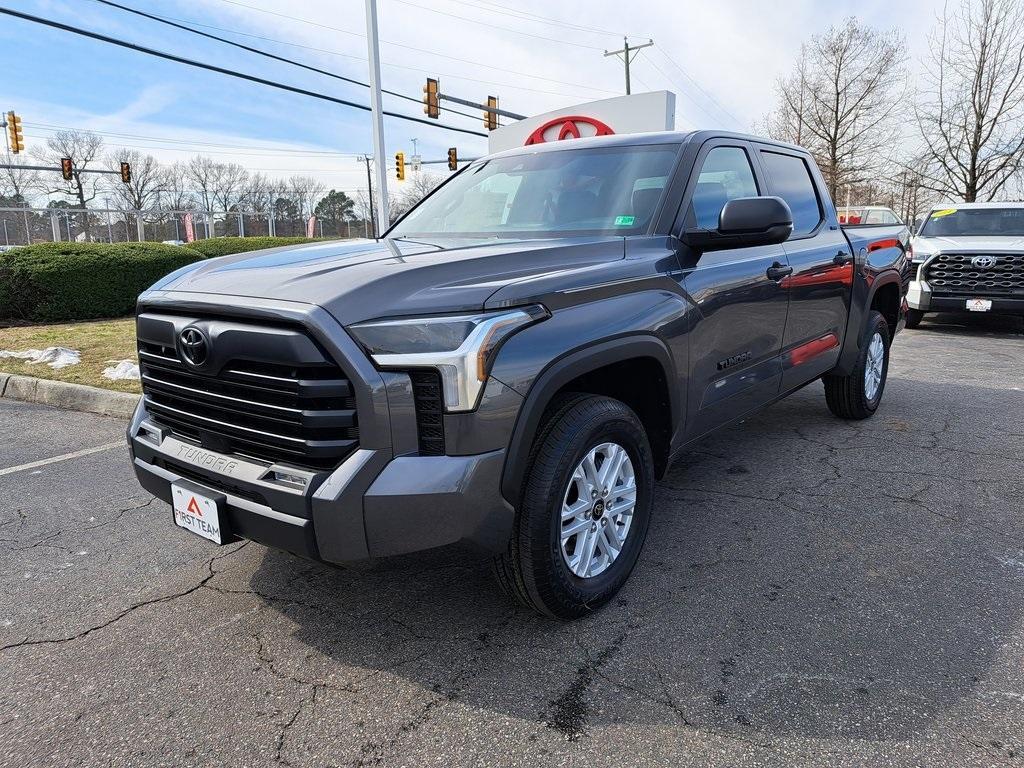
(812, 592)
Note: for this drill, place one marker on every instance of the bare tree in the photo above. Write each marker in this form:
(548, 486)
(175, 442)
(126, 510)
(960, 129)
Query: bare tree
(259, 194)
(304, 192)
(201, 174)
(419, 186)
(17, 183)
(175, 188)
(841, 101)
(787, 122)
(229, 183)
(972, 116)
(82, 147)
(147, 180)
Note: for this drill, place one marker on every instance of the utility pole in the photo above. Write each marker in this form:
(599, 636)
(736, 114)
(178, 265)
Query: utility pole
(373, 46)
(627, 53)
(369, 190)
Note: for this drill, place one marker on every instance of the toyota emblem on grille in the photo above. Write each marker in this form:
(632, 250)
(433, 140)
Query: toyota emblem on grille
(984, 261)
(195, 347)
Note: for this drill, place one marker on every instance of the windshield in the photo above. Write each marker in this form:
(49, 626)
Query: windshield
(953, 222)
(607, 190)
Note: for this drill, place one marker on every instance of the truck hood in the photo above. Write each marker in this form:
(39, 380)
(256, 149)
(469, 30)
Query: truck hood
(929, 245)
(365, 279)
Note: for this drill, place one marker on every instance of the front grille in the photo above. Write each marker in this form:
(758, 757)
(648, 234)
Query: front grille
(953, 273)
(298, 408)
(429, 402)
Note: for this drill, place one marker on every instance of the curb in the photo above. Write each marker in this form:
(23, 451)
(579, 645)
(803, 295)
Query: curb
(61, 394)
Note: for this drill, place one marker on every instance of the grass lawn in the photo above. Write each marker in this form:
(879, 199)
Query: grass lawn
(98, 341)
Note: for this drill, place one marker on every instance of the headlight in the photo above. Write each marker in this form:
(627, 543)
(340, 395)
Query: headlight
(460, 347)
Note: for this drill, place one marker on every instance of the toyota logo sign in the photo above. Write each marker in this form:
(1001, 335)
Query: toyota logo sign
(568, 128)
(984, 261)
(195, 347)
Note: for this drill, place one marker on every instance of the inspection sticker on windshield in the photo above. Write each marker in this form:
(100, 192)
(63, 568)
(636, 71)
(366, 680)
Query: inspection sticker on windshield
(624, 221)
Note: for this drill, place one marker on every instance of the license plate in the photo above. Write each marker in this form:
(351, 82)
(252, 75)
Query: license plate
(197, 513)
(979, 305)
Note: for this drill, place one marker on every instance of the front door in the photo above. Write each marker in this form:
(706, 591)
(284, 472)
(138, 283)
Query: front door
(736, 342)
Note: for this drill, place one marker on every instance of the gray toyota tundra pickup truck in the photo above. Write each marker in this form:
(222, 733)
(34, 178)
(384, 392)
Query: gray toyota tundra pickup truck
(516, 362)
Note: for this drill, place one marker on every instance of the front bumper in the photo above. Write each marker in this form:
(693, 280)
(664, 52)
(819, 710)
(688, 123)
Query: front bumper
(383, 499)
(372, 505)
(921, 297)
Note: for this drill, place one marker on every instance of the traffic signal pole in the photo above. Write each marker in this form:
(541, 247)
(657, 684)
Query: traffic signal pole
(373, 49)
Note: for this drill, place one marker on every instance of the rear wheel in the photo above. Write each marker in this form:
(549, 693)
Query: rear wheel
(585, 509)
(914, 317)
(858, 395)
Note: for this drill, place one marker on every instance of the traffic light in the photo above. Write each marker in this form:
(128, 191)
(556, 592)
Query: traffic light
(431, 98)
(66, 169)
(490, 116)
(453, 159)
(126, 173)
(15, 138)
(400, 166)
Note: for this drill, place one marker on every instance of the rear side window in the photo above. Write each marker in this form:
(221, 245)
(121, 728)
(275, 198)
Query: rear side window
(791, 180)
(880, 217)
(725, 175)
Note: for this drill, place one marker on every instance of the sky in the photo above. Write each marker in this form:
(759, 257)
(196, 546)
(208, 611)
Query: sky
(720, 58)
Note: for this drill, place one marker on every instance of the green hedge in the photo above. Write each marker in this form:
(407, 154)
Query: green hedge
(222, 246)
(54, 282)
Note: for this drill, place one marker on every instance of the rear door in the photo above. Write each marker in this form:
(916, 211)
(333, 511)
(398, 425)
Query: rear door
(821, 284)
(736, 342)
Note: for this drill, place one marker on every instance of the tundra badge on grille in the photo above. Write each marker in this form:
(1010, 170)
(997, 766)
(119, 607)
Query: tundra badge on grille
(984, 261)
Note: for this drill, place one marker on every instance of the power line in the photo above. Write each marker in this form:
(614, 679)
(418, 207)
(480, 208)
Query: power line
(683, 90)
(225, 71)
(387, 63)
(321, 25)
(700, 88)
(497, 26)
(268, 55)
(267, 149)
(530, 16)
(418, 70)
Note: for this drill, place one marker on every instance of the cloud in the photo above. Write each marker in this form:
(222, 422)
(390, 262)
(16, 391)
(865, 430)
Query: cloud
(721, 59)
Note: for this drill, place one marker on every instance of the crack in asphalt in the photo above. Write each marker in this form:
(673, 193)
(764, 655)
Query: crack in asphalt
(126, 611)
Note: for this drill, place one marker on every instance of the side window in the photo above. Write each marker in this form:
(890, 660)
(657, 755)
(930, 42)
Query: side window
(791, 180)
(725, 175)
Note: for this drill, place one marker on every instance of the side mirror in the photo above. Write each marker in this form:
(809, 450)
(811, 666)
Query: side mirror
(745, 222)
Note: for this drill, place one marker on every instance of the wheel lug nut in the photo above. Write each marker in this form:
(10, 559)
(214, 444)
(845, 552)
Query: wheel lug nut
(593, 493)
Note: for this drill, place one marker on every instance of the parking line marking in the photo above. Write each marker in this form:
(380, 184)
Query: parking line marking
(62, 457)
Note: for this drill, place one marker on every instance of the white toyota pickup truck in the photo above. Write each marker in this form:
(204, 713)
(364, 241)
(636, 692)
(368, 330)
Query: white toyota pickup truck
(969, 257)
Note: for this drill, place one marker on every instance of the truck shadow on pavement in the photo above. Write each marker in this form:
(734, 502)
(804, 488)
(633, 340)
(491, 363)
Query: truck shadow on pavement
(802, 577)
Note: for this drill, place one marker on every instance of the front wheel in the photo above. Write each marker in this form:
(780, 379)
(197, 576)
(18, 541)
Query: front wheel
(914, 317)
(585, 508)
(858, 395)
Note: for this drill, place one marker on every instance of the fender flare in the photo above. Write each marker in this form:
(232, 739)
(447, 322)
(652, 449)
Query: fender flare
(860, 311)
(560, 372)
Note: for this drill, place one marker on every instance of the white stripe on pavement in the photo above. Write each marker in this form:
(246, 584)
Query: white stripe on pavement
(63, 457)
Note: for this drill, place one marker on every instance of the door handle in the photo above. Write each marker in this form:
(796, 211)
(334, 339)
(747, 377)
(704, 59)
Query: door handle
(779, 271)
(842, 258)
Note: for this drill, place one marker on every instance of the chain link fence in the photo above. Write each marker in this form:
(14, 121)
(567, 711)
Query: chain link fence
(25, 226)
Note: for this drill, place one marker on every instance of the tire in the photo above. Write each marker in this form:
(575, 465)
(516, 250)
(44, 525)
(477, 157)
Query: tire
(850, 397)
(914, 317)
(536, 568)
